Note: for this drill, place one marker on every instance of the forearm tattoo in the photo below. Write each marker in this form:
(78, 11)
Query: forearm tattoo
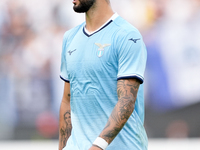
(65, 130)
(66, 126)
(127, 93)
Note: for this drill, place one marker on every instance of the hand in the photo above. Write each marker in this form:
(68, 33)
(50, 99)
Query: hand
(94, 148)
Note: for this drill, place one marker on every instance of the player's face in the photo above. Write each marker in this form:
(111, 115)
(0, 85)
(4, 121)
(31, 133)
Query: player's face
(82, 6)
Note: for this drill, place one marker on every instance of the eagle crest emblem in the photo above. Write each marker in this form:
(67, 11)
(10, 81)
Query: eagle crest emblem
(100, 51)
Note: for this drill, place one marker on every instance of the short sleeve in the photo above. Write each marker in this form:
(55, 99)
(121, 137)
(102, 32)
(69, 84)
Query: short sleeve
(63, 67)
(132, 56)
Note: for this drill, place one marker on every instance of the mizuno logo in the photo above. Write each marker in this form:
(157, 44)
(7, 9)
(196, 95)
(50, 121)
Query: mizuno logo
(100, 51)
(134, 40)
(70, 52)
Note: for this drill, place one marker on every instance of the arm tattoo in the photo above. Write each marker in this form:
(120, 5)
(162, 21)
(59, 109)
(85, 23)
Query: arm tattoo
(127, 93)
(65, 130)
(65, 126)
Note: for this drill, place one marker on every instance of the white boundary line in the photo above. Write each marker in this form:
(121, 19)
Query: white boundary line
(154, 144)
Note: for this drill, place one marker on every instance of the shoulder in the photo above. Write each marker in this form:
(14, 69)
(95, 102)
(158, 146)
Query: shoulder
(68, 35)
(127, 36)
(125, 28)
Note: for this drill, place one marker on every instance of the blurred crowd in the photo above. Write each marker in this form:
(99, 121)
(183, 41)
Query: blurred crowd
(30, 47)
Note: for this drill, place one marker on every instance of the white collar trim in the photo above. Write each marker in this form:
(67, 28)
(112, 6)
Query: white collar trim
(114, 16)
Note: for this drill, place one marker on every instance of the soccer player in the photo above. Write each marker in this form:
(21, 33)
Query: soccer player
(103, 63)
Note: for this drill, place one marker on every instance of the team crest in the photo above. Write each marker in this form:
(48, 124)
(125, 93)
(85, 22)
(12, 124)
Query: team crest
(100, 51)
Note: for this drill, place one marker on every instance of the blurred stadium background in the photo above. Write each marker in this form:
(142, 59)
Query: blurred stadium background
(31, 34)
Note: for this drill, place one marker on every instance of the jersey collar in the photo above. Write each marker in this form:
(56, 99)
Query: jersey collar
(87, 33)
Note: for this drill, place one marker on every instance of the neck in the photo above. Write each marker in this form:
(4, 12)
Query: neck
(98, 14)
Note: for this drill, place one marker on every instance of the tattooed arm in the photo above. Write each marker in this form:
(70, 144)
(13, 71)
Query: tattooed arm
(127, 92)
(65, 126)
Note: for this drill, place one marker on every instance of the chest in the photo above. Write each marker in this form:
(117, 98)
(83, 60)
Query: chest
(91, 55)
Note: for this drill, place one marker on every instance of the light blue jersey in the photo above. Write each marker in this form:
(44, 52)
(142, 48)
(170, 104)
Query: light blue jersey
(93, 63)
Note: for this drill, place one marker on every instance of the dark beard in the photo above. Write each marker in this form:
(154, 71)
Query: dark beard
(84, 6)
